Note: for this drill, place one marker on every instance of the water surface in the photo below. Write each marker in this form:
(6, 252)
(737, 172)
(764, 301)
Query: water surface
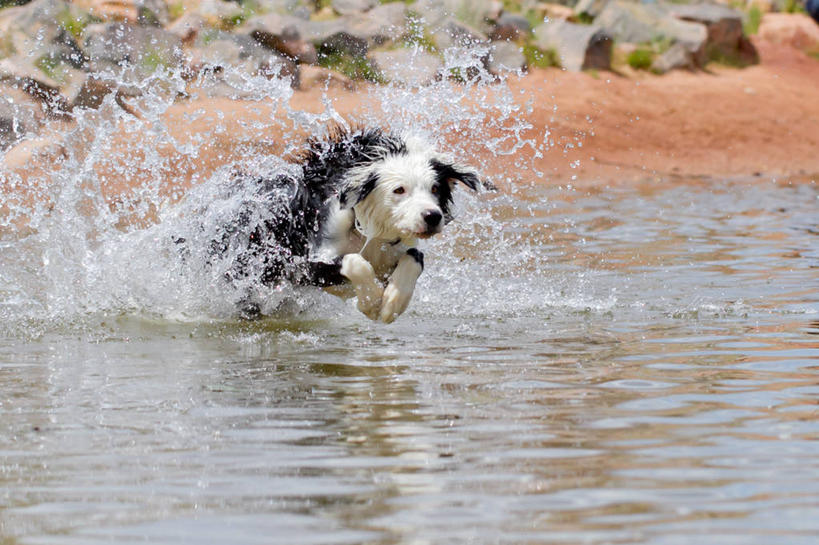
(629, 365)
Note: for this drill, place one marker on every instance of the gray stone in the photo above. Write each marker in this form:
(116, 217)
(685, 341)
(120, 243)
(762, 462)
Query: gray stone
(282, 34)
(579, 47)
(298, 8)
(55, 87)
(152, 12)
(188, 27)
(639, 23)
(380, 25)
(230, 52)
(590, 7)
(139, 50)
(219, 10)
(510, 26)
(724, 26)
(505, 57)
(316, 76)
(30, 30)
(352, 7)
(677, 57)
(20, 115)
(475, 13)
(409, 67)
(453, 33)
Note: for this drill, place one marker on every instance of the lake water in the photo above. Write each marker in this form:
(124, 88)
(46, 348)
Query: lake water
(630, 365)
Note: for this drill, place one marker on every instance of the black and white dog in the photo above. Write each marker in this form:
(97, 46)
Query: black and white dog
(351, 214)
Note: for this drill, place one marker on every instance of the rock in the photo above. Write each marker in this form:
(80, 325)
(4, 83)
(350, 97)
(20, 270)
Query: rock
(551, 12)
(453, 33)
(145, 12)
(188, 27)
(676, 57)
(298, 8)
(229, 53)
(344, 43)
(316, 76)
(592, 8)
(43, 27)
(724, 25)
(409, 67)
(505, 57)
(93, 91)
(352, 7)
(42, 84)
(510, 26)
(579, 47)
(281, 33)
(137, 49)
(382, 24)
(793, 29)
(638, 23)
(475, 13)
(218, 12)
(20, 115)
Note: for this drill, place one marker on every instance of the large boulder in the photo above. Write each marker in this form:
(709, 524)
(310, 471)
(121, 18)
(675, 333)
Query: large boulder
(638, 23)
(20, 115)
(591, 8)
(677, 57)
(475, 13)
(147, 12)
(793, 29)
(282, 33)
(510, 26)
(408, 67)
(505, 58)
(352, 7)
(453, 33)
(579, 47)
(236, 55)
(138, 50)
(724, 25)
(382, 24)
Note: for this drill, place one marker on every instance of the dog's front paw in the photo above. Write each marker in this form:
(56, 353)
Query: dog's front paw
(367, 289)
(398, 293)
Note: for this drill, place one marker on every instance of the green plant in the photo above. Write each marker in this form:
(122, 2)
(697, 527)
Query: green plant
(539, 58)
(352, 66)
(640, 59)
(751, 23)
(418, 35)
(794, 6)
(73, 24)
(176, 10)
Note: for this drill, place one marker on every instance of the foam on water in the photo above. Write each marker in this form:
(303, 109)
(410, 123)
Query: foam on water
(82, 253)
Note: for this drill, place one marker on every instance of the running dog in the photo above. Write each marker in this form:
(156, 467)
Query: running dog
(351, 214)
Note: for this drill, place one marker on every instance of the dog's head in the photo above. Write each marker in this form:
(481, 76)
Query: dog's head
(405, 193)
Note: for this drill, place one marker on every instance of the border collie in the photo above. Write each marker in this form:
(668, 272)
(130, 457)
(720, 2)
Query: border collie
(351, 214)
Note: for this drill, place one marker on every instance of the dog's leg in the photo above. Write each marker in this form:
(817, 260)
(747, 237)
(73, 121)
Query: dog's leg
(399, 290)
(367, 289)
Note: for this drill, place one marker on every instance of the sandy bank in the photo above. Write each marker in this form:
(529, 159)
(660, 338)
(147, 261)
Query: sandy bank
(760, 122)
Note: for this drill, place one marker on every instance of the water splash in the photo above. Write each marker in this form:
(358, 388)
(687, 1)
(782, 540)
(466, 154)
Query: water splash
(93, 233)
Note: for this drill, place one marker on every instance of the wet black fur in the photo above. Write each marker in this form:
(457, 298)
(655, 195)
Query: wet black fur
(300, 206)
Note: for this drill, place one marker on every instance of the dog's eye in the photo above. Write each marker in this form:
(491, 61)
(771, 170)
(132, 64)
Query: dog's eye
(434, 189)
(398, 190)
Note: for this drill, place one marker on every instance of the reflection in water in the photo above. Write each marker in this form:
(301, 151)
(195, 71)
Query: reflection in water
(644, 374)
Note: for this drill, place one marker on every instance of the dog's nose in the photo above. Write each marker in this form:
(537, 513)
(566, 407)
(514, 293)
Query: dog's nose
(432, 218)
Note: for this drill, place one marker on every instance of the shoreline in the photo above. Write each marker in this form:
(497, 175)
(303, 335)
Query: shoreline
(756, 124)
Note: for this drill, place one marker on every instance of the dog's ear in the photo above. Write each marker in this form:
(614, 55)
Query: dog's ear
(355, 191)
(448, 171)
